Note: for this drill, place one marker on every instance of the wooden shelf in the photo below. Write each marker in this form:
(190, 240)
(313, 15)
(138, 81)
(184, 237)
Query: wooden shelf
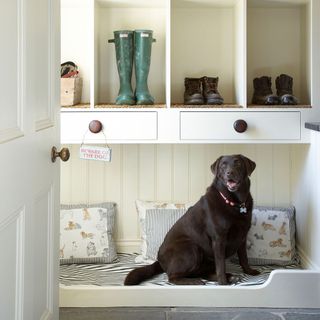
(78, 106)
(191, 106)
(280, 106)
(113, 106)
(206, 106)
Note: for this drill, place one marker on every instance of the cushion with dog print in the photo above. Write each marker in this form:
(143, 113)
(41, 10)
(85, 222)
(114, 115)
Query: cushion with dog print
(271, 238)
(86, 233)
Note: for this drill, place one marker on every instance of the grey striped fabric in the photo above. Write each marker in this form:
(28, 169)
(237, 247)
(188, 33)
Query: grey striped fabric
(113, 274)
(158, 223)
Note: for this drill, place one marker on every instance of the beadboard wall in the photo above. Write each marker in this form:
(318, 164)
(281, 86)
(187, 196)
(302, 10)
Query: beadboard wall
(177, 173)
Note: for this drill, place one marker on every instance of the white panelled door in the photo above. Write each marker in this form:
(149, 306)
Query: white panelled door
(29, 181)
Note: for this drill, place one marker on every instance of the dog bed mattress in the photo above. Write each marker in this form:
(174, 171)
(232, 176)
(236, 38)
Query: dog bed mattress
(113, 274)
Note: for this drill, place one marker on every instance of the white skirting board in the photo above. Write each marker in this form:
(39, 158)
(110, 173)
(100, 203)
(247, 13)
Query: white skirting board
(283, 289)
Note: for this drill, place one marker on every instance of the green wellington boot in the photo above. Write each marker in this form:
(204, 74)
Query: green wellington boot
(123, 41)
(142, 54)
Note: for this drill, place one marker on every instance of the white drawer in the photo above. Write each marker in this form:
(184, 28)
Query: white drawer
(117, 126)
(218, 125)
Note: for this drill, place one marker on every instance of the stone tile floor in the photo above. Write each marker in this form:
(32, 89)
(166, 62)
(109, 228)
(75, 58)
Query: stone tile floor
(139, 313)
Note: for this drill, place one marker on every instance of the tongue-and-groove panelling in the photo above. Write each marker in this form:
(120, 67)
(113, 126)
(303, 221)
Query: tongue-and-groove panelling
(169, 173)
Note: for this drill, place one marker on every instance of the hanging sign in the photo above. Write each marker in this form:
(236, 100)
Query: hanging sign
(95, 153)
(89, 152)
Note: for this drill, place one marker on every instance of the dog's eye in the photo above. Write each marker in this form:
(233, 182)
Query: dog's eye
(223, 164)
(237, 163)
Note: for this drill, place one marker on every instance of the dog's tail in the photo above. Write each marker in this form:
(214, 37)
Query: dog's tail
(138, 275)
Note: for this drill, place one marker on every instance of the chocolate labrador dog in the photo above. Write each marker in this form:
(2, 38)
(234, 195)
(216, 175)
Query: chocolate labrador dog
(212, 230)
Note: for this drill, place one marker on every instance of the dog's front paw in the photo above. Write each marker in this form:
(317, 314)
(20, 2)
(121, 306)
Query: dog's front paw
(223, 282)
(232, 279)
(251, 272)
(226, 280)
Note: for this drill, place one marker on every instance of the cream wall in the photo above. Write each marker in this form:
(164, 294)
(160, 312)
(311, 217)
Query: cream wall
(75, 43)
(306, 195)
(177, 173)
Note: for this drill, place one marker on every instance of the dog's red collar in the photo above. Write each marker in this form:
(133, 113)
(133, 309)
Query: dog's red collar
(242, 206)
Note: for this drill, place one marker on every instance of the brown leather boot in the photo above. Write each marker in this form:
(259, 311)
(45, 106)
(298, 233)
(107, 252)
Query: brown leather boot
(193, 93)
(210, 91)
(284, 85)
(263, 93)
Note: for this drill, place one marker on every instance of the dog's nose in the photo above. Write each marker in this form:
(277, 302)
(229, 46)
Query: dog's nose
(229, 172)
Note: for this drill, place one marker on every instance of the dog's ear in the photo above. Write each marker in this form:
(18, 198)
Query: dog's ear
(215, 165)
(250, 165)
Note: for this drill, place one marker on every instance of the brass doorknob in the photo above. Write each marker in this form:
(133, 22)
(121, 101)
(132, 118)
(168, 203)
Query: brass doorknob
(64, 154)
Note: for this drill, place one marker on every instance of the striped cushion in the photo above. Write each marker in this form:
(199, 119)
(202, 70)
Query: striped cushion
(113, 274)
(142, 207)
(158, 223)
(86, 233)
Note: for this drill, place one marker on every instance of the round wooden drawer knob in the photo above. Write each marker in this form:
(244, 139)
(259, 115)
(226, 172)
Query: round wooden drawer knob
(95, 126)
(240, 126)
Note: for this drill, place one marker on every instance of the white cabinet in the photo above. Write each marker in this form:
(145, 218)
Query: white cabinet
(236, 40)
(118, 126)
(210, 125)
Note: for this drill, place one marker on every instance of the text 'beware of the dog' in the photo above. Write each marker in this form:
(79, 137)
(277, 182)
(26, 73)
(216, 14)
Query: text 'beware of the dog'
(95, 153)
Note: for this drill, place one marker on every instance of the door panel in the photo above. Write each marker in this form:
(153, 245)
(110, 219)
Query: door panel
(11, 248)
(41, 63)
(43, 246)
(11, 81)
(29, 181)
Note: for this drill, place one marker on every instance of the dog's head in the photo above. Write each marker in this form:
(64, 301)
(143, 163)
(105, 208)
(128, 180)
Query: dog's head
(233, 170)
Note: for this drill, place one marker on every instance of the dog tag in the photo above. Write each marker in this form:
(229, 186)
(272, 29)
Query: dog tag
(243, 210)
(145, 35)
(95, 153)
(123, 35)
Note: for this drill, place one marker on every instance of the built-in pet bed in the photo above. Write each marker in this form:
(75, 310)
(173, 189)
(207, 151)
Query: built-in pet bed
(92, 273)
(113, 274)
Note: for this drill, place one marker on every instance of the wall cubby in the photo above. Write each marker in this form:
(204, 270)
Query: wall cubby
(76, 42)
(278, 41)
(127, 15)
(235, 40)
(204, 42)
